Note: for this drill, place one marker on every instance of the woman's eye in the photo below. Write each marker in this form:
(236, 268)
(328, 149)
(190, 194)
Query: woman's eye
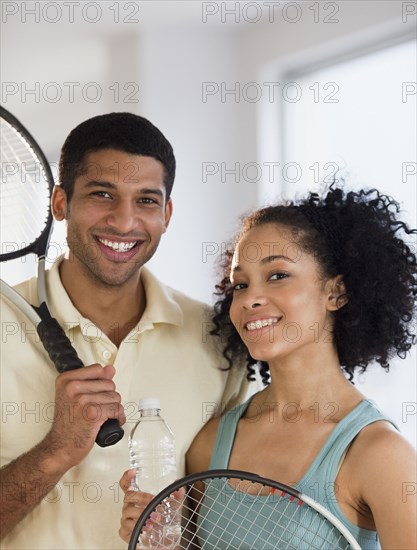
(238, 286)
(278, 276)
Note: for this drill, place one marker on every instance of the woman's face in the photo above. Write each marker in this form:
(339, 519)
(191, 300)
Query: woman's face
(281, 305)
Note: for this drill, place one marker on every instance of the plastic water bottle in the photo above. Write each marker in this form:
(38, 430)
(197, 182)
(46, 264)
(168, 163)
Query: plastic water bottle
(152, 455)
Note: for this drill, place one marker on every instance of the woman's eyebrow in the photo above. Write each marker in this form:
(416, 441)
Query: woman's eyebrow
(268, 260)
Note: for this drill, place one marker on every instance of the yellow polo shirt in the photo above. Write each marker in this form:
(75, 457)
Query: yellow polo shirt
(169, 354)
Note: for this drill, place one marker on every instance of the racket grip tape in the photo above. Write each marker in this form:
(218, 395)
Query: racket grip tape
(65, 358)
(58, 346)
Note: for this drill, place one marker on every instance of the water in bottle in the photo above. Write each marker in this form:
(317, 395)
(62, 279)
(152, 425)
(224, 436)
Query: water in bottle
(152, 455)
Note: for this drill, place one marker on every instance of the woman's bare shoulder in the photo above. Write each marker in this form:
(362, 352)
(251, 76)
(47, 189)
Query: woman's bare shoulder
(199, 454)
(383, 465)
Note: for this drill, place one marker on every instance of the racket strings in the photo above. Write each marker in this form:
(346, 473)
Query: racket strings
(24, 191)
(220, 517)
(294, 525)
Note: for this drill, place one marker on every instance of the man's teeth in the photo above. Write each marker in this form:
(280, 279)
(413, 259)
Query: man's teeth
(118, 246)
(259, 324)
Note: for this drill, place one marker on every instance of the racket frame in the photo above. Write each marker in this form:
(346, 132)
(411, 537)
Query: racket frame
(110, 432)
(236, 474)
(40, 246)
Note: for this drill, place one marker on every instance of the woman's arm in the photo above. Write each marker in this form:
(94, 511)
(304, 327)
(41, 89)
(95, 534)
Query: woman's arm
(386, 467)
(198, 456)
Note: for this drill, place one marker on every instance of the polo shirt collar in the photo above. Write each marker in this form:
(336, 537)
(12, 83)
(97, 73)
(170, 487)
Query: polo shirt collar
(161, 306)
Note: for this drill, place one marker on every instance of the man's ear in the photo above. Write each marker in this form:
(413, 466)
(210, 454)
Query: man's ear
(337, 296)
(59, 203)
(168, 213)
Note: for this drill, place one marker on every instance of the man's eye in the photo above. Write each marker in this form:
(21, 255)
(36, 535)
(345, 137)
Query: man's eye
(147, 200)
(103, 194)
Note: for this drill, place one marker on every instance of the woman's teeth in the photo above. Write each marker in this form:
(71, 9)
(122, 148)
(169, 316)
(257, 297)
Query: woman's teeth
(261, 323)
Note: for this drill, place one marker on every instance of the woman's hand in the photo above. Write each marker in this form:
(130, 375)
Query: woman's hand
(133, 505)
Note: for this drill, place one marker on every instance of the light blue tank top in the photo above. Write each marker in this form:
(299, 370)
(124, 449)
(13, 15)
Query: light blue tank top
(318, 482)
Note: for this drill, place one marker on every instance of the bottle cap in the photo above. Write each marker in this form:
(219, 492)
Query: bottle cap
(149, 403)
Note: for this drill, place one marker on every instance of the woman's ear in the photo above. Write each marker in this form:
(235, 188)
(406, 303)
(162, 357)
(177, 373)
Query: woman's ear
(59, 204)
(337, 296)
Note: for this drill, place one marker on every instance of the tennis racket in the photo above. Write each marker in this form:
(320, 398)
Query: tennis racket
(228, 509)
(26, 224)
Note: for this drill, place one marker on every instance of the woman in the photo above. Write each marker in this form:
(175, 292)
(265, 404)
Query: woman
(314, 291)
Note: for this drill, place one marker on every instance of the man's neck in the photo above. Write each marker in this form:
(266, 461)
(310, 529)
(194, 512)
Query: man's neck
(114, 310)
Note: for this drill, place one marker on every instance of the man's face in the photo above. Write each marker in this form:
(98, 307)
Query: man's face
(116, 216)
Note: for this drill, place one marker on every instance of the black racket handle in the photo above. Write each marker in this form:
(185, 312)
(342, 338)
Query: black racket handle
(65, 358)
(58, 346)
(110, 433)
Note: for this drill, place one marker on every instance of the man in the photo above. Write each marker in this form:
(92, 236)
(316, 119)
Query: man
(137, 337)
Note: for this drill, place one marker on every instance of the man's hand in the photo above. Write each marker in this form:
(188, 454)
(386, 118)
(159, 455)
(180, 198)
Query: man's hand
(84, 399)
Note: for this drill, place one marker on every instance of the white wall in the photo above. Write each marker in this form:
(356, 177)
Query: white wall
(173, 71)
(168, 54)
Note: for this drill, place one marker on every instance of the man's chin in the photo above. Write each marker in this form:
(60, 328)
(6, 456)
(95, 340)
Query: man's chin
(115, 278)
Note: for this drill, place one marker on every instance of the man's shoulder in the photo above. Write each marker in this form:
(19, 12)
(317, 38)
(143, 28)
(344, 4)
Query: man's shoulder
(196, 315)
(188, 305)
(26, 289)
(188, 302)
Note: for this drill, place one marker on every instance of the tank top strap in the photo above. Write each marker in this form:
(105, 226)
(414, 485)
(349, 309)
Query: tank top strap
(226, 433)
(319, 481)
(326, 465)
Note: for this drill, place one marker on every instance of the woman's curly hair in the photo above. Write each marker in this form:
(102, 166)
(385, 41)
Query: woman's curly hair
(357, 235)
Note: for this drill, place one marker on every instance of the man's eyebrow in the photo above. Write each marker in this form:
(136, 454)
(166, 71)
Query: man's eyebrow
(151, 191)
(268, 260)
(109, 185)
(95, 183)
